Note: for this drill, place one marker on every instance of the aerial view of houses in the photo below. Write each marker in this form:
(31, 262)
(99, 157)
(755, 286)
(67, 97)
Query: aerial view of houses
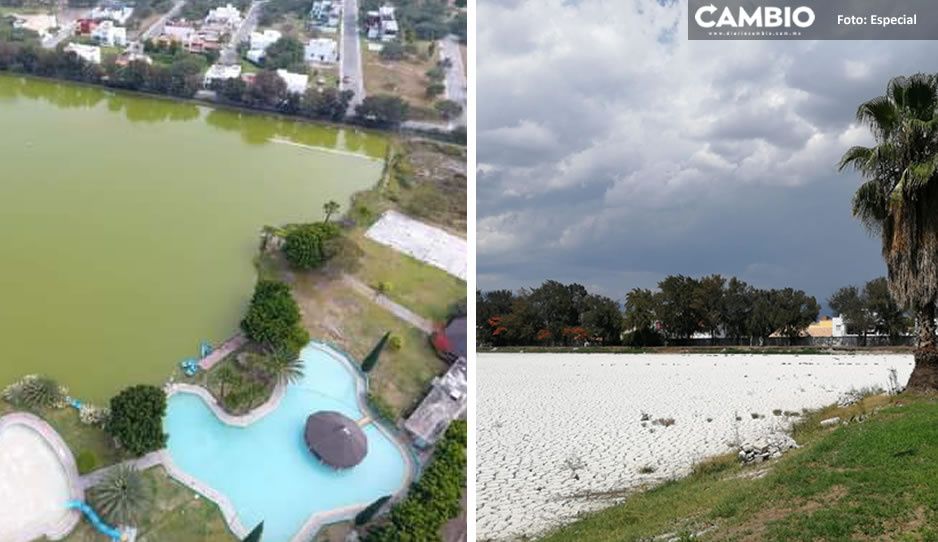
(262, 331)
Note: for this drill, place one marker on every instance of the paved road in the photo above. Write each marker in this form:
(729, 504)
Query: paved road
(155, 29)
(229, 54)
(455, 76)
(66, 28)
(350, 69)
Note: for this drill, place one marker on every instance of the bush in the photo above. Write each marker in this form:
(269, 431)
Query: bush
(381, 407)
(137, 419)
(35, 392)
(94, 415)
(396, 342)
(86, 461)
(273, 318)
(308, 246)
(643, 337)
(392, 51)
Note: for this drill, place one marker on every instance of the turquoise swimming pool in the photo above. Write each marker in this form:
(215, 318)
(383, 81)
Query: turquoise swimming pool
(265, 469)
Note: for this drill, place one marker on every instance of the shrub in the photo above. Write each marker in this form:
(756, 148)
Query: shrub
(307, 246)
(35, 392)
(381, 407)
(396, 342)
(137, 419)
(86, 461)
(94, 415)
(273, 318)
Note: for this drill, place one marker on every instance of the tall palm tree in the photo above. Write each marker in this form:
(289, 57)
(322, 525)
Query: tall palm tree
(331, 207)
(898, 200)
(285, 366)
(122, 497)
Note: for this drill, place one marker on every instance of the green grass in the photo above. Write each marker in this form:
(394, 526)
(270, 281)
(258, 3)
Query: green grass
(176, 514)
(426, 290)
(870, 480)
(762, 350)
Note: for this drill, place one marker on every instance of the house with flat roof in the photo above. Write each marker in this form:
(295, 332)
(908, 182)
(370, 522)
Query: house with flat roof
(88, 53)
(227, 16)
(117, 12)
(445, 402)
(220, 72)
(321, 51)
(108, 33)
(296, 82)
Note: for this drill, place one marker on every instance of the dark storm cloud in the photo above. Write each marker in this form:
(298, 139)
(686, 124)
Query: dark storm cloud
(613, 152)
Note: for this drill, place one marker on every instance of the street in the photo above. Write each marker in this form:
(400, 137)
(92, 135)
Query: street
(455, 77)
(350, 69)
(155, 29)
(229, 55)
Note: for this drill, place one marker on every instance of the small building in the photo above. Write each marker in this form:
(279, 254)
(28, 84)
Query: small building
(335, 439)
(822, 328)
(321, 51)
(129, 56)
(296, 82)
(381, 25)
(179, 31)
(227, 16)
(107, 33)
(445, 402)
(450, 341)
(325, 14)
(85, 26)
(88, 53)
(220, 72)
(263, 40)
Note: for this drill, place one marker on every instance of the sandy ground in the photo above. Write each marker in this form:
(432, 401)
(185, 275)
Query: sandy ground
(421, 241)
(33, 486)
(555, 429)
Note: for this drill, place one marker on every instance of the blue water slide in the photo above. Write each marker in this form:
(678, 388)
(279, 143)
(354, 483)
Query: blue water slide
(95, 520)
(205, 349)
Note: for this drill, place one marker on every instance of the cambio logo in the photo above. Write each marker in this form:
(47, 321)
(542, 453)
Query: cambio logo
(760, 17)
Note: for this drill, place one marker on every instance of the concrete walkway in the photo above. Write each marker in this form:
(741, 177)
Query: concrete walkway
(403, 313)
(223, 351)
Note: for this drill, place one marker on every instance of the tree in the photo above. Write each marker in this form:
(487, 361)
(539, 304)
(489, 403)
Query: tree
(330, 208)
(227, 376)
(273, 318)
(122, 497)
(328, 103)
(369, 511)
(306, 246)
(889, 318)
(737, 307)
(137, 419)
(557, 306)
(708, 303)
(448, 109)
(641, 318)
(286, 53)
(763, 318)
(383, 110)
(853, 307)
(255, 534)
(285, 367)
(371, 360)
(676, 306)
(603, 319)
(392, 50)
(267, 90)
(36, 392)
(897, 201)
(795, 311)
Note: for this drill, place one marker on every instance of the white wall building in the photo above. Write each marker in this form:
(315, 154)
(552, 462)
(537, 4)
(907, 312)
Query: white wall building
(220, 72)
(227, 15)
(263, 40)
(88, 53)
(118, 14)
(322, 51)
(109, 34)
(296, 82)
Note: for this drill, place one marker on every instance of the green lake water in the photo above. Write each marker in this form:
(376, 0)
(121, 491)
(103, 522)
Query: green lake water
(128, 224)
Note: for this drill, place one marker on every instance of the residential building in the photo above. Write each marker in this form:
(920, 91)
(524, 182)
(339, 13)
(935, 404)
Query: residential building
(445, 402)
(117, 12)
(88, 53)
(85, 26)
(227, 16)
(322, 51)
(381, 24)
(107, 33)
(296, 82)
(220, 72)
(180, 31)
(325, 14)
(260, 41)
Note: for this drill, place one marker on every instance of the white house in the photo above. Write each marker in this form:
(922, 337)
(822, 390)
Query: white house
(116, 13)
(263, 40)
(322, 51)
(220, 72)
(227, 15)
(296, 82)
(88, 53)
(179, 31)
(109, 34)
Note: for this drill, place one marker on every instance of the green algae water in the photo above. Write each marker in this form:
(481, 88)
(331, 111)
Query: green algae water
(128, 224)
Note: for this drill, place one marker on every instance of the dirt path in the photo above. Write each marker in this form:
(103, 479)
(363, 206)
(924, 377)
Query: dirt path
(401, 312)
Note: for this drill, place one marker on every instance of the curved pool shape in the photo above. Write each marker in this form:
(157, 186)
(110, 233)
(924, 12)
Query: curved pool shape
(35, 482)
(265, 469)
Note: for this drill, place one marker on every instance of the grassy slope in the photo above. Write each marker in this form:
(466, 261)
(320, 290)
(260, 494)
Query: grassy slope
(875, 480)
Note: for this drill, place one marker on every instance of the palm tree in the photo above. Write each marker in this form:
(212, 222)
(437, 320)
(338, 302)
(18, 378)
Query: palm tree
(898, 201)
(285, 366)
(227, 376)
(330, 208)
(122, 497)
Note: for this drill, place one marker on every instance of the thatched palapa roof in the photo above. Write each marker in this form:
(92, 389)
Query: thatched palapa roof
(336, 439)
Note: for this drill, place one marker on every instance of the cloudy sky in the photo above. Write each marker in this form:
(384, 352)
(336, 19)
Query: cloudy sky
(613, 152)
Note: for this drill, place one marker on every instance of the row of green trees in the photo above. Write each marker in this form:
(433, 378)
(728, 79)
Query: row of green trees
(566, 314)
(870, 309)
